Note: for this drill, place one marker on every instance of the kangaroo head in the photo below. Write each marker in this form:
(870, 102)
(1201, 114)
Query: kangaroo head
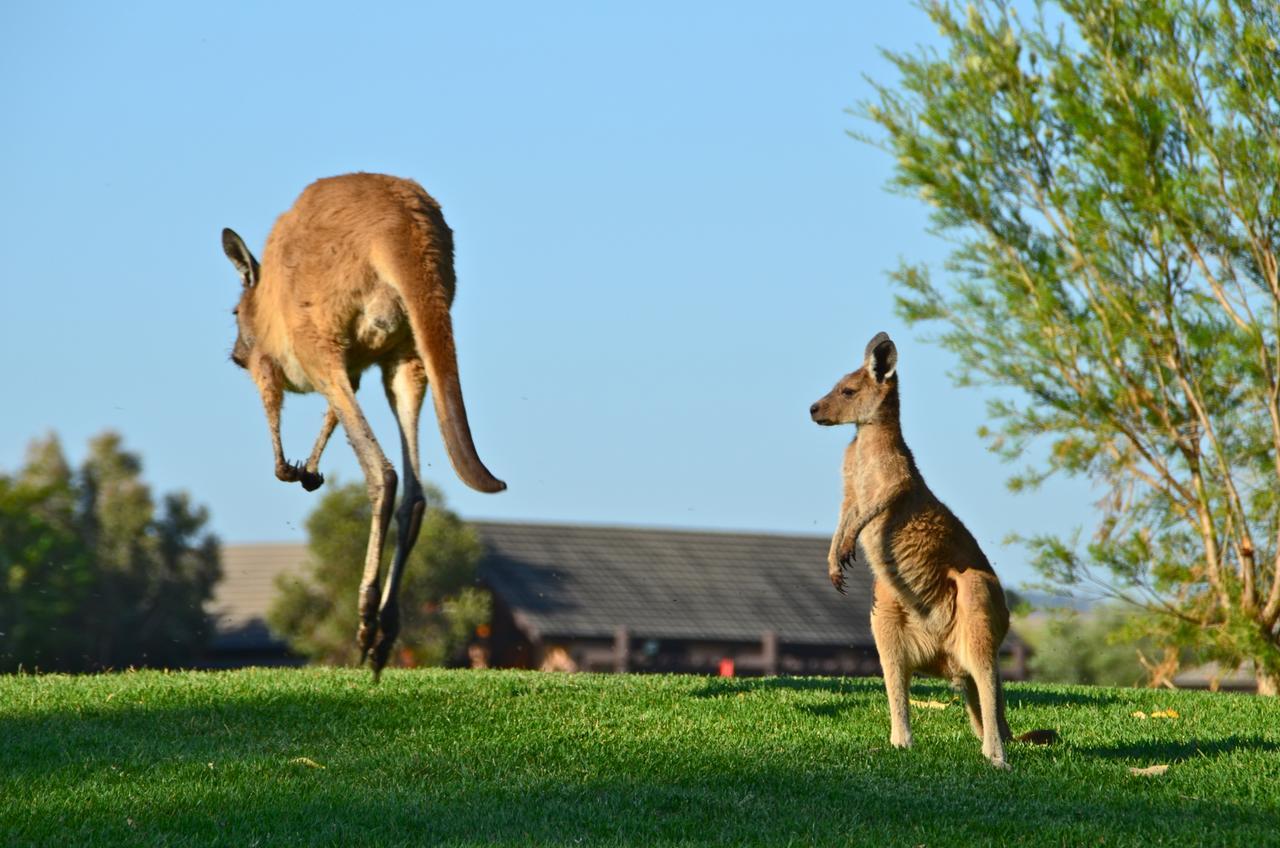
(247, 266)
(858, 397)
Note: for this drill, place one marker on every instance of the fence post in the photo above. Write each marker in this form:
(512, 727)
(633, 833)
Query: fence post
(769, 653)
(621, 650)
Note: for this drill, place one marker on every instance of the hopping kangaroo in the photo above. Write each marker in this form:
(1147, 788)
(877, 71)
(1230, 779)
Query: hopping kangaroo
(360, 272)
(937, 605)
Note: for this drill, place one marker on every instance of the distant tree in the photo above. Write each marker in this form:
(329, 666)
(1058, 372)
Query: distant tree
(1098, 647)
(1109, 176)
(441, 604)
(46, 573)
(90, 576)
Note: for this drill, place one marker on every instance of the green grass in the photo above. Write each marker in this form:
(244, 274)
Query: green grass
(325, 757)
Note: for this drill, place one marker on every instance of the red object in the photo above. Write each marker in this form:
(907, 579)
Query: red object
(726, 667)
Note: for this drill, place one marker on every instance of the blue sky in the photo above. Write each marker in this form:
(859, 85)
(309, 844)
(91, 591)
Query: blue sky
(668, 247)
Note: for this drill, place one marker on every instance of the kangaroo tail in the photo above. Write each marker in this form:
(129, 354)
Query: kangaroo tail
(426, 282)
(1038, 737)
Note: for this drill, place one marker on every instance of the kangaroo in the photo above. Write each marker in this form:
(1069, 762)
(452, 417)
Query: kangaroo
(359, 272)
(937, 605)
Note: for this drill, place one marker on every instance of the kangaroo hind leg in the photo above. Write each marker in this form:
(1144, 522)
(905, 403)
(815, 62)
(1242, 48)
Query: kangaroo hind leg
(887, 629)
(981, 622)
(405, 381)
(380, 479)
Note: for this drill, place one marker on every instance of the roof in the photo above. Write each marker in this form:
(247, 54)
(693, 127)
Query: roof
(568, 581)
(247, 588)
(576, 581)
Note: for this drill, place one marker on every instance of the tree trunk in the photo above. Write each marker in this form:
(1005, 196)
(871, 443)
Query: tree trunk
(1268, 684)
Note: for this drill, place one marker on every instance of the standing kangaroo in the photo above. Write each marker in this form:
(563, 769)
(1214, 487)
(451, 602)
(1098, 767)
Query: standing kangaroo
(937, 606)
(360, 272)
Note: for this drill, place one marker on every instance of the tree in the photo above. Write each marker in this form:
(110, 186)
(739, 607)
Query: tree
(442, 606)
(92, 577)
(1099, 647)
(45, 570)
(1109, 183)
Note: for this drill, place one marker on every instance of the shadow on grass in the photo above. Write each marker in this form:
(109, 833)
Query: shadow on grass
(442, 772)
(1172, 752)
(1019, 697)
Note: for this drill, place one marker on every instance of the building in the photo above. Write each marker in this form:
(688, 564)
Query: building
(591, 598)
(241, 600)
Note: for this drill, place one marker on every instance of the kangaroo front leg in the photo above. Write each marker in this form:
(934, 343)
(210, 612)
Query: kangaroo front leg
(853, 526)
(311, 478)
(270, 384)
(842, 549)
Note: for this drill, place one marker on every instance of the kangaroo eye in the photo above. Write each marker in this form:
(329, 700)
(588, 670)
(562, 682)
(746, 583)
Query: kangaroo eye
(847, 392)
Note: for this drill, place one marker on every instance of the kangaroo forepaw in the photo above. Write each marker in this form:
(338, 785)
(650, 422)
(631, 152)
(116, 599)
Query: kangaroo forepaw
(836, 564)
(296, 472)
(311, 480)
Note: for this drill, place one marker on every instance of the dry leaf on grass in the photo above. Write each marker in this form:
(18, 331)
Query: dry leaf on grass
(1149, 771)
(932, 705)
(1138, 714)
(1165, 714)
(306, 761)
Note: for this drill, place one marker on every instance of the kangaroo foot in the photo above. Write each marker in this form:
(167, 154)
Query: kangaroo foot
(368, 630)
(388, 630)
(296, 472)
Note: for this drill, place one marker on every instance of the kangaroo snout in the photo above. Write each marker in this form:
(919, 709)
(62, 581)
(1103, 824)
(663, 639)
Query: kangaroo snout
(815, 413)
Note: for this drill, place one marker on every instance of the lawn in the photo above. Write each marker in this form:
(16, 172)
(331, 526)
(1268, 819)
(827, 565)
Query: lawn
(315, 756)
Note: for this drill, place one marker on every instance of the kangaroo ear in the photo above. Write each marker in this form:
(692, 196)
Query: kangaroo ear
(881, 357)
(234, 247)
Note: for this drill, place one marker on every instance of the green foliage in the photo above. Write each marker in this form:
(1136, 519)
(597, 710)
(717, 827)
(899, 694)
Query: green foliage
(1109, 184)
(1100, 647)
(473, 758)
(440, 605)
(90, 576)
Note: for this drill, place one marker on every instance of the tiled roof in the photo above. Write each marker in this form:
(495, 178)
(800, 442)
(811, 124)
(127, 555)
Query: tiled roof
(582, 581)
(247, 588)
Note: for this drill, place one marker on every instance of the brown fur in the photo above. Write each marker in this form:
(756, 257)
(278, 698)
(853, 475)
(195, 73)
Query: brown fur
(938, 606)
(359, 272)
